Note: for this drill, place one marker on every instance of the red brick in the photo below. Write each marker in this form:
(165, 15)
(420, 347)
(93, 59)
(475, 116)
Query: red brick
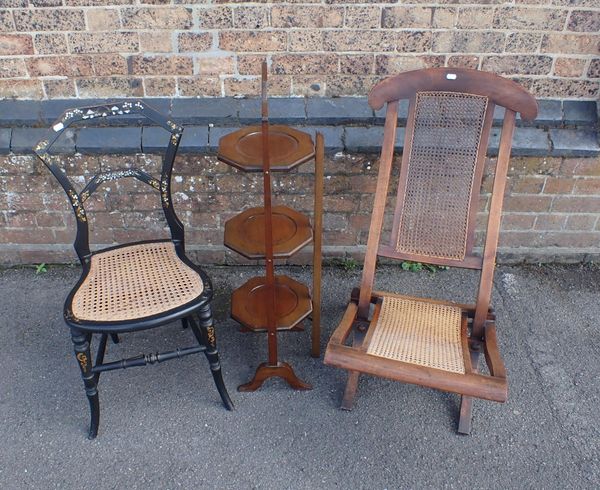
(72, 66)
(570, 43)
(51, 43)
(363, 17)
(13, 44)
(160, 86)
(587, 186)
(582, 222)
(522, 18)
(103, 19)
(581, 166)
(322, 16)
(558, 185)
(12, 67)
(517, 221)
(194, 41)
(156, 18)
(59, 89)
(213, 17)
(527, 185)
(251, 41)
(305, 40)
(161, 65)
(110, 87)
(28, 89)
(569, 67)
(49, 20)
(572, 204)
(216, 65)
(199, 86)
(104, 42)
(550, 222)
(406, 17)
(251, 18)
(110, 64)
(527, 203)
(304, 64)
(156, 42)
(6, 21)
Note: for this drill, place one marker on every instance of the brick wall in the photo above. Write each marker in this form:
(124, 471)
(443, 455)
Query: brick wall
(551, 210)
(98, 48)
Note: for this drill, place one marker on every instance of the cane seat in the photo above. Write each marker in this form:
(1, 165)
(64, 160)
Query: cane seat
(135, 281)
(418, 332)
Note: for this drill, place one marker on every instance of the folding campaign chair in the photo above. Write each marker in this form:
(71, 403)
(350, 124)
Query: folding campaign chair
(418, 340)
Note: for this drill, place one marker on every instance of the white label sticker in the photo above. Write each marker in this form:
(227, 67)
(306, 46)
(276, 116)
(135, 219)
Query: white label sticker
(451, 76)
(58, 126)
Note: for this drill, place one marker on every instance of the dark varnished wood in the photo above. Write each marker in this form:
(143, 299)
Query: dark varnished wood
(281, 370)
(245, 232)
(315, 349)
(288, 148)
(250, 303)
(383, 181)
(501, 91)
(273, 303)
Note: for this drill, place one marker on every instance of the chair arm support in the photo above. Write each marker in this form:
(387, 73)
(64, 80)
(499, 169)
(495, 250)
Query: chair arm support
(492, 354)
(343, 330)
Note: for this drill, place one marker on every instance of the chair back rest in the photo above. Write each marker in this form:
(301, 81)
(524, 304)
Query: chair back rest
(450, 116)
(78, 199)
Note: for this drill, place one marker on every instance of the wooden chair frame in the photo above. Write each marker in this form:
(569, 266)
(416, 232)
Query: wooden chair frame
(196, 313)
(478, 320)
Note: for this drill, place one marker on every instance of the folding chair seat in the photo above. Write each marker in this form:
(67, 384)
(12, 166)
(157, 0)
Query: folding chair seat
(426, 341)
(132, 286)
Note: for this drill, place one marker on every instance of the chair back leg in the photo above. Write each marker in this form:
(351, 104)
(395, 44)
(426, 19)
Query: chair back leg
(81, 343)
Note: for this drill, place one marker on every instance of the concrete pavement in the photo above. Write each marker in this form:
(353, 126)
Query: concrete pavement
(164, 427)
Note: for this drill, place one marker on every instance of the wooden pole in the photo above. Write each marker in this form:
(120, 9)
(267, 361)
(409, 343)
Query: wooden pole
(317, 246)
(270, 284)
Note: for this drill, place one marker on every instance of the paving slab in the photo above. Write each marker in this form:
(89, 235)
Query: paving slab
(164, 427)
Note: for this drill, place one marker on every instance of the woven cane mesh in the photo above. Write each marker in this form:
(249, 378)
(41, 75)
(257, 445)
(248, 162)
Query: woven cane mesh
(441, 170)
(418, 332)
(135, 282)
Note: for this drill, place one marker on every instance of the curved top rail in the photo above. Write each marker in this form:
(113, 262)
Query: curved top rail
(500, 90)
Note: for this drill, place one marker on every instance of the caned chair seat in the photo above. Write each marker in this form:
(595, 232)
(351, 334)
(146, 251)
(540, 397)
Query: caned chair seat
(134, 282)
(419, 332)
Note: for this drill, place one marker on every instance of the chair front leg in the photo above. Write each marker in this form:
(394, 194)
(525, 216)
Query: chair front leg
(207, 337)
(81, 344)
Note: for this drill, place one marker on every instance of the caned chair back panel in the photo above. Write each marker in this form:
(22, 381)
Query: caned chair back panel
(162, 184)
(440, 176)
(446, 138)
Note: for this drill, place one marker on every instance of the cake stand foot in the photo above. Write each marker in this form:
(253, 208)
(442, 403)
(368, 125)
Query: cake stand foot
(281, 370)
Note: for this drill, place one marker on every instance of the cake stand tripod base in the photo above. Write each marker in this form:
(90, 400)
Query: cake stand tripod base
(281, 370)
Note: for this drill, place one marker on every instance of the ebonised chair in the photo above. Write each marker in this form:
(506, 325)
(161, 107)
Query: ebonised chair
(134, 286)
(424, 341)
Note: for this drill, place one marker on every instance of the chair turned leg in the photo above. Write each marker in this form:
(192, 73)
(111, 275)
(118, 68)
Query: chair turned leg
(350, 391)
(115, 338)
(466, 415)
(81, 343)
(206, 336)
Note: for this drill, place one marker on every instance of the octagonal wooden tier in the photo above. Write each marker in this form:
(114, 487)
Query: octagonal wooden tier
(288, 148)
(245, 233)
(249, 303)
